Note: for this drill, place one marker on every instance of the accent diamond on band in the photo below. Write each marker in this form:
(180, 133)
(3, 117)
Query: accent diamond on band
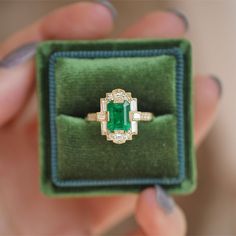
(119, 116)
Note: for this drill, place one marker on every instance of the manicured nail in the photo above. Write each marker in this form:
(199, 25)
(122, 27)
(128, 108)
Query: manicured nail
(182, 17)
(19, 55)
(109, 6)
(165, 201)
(218, 84)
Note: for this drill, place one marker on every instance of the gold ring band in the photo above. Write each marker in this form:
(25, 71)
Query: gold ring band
(133, 116)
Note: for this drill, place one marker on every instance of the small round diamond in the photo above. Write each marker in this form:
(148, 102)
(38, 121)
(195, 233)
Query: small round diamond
(118, 137)
(109, 97)
(119, 95)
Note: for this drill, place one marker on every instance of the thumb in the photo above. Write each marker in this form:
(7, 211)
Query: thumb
(158, 215)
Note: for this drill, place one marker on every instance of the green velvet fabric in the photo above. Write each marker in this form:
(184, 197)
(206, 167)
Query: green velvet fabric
(82, 82)
(82, 152)
(95, 158)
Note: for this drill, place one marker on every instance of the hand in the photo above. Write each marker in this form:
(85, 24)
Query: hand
(23, 209)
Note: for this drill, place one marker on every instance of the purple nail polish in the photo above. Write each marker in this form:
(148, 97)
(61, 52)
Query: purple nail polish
(218, 83)
(165, 201)
(182, 17)
(19, 55)
(109, 6)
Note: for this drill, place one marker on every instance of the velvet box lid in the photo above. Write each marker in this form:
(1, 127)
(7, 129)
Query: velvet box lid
(76, 160)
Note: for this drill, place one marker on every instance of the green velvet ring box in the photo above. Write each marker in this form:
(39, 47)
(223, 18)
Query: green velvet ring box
(76, 160)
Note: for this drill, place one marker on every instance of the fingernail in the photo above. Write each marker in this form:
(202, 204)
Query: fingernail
(19, 55)
(218, 84)
(165, 201)
(182, 17)
(109, 6)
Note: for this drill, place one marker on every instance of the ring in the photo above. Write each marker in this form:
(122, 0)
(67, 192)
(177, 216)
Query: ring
(119, 116)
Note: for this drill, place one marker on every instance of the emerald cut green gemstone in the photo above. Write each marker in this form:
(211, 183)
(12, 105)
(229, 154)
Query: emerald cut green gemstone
(118, 116)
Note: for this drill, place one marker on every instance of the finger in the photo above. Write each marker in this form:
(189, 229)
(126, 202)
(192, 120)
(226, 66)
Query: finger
(14, 88)
(160, 24)
(137, 232)
(158, 215)
(83, 20)
(208, 91)
(75, 21)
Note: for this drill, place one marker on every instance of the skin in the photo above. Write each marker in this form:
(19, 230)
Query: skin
(23, 209)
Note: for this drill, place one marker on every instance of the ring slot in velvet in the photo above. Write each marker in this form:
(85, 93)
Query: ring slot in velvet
(82, 152)
(85, 162)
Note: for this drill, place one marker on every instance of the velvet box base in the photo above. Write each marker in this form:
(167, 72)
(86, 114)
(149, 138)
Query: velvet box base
(72, 77)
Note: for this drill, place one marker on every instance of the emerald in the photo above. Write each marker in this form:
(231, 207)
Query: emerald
(118, 116)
